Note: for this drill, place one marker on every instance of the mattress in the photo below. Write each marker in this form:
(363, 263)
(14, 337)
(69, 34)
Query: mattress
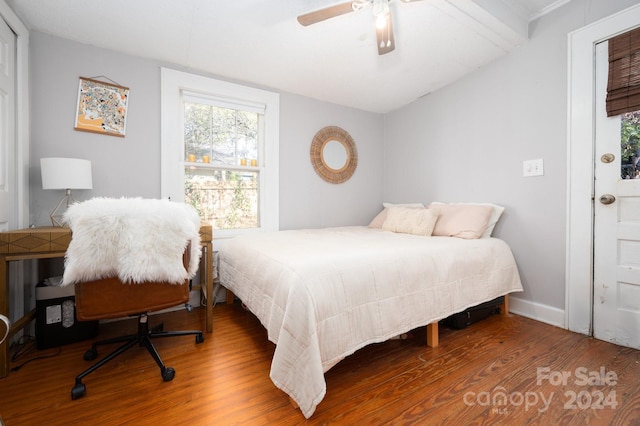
(322, 294)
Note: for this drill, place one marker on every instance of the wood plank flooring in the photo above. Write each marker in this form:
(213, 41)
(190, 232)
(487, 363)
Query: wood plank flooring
(505, 370)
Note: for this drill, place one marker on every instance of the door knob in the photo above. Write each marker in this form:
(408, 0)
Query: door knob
(607, 158)
(607, 199)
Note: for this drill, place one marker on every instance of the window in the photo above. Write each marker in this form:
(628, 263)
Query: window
(220, 151)
(221, 170)
(630, 145)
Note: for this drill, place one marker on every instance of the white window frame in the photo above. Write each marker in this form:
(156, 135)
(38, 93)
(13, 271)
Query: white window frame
(173, 84)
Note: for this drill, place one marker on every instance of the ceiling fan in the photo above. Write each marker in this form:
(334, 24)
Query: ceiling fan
(381, 13)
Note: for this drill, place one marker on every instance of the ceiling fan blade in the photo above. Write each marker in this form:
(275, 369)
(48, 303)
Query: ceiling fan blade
(326, 13)
(384, 37)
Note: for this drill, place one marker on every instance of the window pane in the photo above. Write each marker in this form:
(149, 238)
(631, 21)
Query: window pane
(225, 135)
(630, 145)
(197, 130)
(227, 199)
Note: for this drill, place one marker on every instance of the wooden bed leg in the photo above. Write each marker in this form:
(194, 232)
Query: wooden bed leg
(293, 403)
(504, 308)
(432, 334)
(230, 296)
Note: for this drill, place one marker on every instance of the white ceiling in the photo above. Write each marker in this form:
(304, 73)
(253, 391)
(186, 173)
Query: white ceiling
(261, 42)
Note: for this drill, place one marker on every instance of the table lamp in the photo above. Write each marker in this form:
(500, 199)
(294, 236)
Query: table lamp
(67, 174)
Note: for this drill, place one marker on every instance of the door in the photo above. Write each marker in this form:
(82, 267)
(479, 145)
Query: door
(616, 293)
(8, 184)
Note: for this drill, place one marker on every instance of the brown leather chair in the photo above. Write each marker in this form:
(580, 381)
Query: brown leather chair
(111, 298)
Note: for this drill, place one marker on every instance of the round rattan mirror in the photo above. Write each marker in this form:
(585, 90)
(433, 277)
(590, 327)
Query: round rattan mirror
(333, 154)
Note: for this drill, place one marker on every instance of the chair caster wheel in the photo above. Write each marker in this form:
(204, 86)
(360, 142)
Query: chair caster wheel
(90, 355)
(168, 374)
(199, 338)
(78, 391)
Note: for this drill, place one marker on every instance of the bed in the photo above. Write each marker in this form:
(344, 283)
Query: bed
(322, 294)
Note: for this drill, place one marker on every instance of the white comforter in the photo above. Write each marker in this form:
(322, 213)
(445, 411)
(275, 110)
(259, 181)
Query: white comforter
(324, 293)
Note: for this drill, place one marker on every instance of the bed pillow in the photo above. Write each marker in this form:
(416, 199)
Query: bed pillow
(410, 220)
(495, 216)
(461, 220)
(380, 218)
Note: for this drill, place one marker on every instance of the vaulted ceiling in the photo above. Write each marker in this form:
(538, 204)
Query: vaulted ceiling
(261, 42)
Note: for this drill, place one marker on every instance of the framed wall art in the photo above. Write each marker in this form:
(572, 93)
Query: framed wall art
(102, 107)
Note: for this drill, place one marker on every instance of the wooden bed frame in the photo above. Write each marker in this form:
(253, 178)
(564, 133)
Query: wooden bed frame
(432, 329)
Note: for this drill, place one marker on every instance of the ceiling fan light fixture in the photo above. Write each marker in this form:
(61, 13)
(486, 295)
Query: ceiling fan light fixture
(381, 21)
(381, 13)
(381, 16)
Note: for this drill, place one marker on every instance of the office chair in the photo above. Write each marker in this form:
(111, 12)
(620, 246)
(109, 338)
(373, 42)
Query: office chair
(106, 234)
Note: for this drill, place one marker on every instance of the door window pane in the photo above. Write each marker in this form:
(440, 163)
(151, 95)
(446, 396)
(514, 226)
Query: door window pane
(630, 145)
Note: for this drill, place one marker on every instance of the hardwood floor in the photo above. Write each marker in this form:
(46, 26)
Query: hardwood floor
(225, 380)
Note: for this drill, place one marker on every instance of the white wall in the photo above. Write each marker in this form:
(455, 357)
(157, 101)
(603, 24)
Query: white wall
(304, 196)
(130, 166)
(467, 142)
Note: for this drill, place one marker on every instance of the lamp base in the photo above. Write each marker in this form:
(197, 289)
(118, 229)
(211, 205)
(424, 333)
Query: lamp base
(57, 213)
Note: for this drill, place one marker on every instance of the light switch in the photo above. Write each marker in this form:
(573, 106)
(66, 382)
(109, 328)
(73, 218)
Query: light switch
(533, 167)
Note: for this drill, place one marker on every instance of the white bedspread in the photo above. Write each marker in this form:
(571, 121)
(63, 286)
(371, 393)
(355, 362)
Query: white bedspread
(324, 293)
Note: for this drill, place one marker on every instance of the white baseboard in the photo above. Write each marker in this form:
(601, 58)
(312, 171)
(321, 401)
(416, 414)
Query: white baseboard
(537, 311)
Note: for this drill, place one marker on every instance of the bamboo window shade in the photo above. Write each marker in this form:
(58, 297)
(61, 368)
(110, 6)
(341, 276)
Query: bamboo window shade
(623, 87)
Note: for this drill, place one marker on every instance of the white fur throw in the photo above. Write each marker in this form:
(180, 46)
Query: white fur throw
(134, 239)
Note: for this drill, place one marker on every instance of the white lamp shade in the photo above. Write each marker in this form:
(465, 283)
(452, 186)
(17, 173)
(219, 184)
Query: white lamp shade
(66, 173)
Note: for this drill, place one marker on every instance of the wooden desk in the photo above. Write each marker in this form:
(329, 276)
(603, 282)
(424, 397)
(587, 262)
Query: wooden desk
(206, 273)
(52, 242)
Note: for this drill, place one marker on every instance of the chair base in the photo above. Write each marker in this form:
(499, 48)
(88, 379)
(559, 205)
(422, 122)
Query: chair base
(142, 338)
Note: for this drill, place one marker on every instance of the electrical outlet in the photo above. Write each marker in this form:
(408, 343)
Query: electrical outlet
(533, 167)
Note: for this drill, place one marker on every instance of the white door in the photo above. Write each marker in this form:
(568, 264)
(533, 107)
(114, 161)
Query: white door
(616, 297)
(8, 184)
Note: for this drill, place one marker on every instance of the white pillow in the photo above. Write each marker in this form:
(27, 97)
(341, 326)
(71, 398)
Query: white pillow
(410, 220)
(380, 217)
(461, 220)
(495, 216)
